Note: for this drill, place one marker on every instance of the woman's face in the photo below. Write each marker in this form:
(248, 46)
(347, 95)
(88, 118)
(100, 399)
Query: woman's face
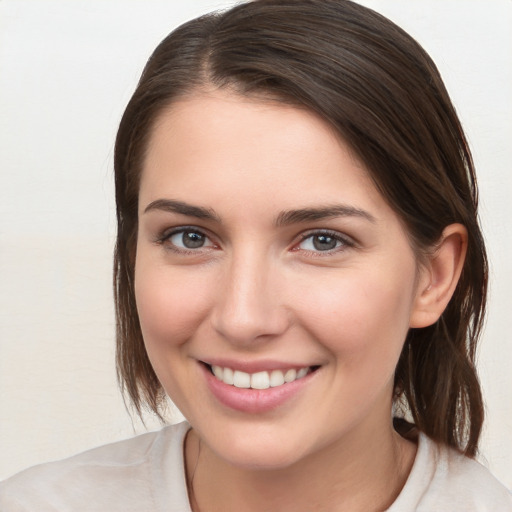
(265, 253)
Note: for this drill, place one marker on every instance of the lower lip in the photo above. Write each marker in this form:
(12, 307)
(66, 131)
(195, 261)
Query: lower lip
(254, 400)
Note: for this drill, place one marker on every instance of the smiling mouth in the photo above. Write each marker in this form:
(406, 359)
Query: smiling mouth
(259, 380)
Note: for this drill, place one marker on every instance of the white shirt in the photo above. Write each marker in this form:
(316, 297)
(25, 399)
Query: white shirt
(147, 474)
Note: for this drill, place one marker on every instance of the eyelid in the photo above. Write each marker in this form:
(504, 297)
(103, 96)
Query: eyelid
(346, 241)
(164, 236)
(164, 239)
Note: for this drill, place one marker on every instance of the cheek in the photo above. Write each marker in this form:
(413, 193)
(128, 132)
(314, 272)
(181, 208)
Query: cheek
(170, 304)
(363, 315)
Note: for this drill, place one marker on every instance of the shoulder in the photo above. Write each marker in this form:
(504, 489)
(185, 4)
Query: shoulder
(117, 476)
(468, 482)
(444, 480)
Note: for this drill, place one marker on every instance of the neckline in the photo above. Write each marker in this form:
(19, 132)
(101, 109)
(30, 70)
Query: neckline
(421, 472)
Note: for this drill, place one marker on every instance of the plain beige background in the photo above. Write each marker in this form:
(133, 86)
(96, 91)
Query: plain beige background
(67, 70)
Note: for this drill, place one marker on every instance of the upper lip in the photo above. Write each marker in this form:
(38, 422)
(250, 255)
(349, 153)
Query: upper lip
(255, 366)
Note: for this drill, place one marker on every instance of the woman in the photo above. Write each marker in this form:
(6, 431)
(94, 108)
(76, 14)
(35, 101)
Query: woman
(298, 256)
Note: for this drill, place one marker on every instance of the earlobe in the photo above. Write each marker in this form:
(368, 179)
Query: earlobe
(439, 276)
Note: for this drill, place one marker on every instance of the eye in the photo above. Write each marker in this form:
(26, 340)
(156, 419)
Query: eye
(323, 242)
(188, 239)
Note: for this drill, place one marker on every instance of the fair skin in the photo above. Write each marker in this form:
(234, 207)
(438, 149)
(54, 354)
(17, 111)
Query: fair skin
(263, 245)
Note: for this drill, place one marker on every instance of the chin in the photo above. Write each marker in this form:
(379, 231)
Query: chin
(258, 450)
(265, 459)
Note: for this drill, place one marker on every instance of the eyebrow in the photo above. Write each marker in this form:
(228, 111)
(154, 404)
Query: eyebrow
(284, 218)
(172, 206)
(312, 214)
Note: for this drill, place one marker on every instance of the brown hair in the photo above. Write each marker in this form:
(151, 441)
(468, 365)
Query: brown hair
(385, 97)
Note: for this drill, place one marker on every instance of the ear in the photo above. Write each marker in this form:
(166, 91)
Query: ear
(439, 276)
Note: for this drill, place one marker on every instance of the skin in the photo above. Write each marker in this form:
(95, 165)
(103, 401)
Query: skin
(260, 290)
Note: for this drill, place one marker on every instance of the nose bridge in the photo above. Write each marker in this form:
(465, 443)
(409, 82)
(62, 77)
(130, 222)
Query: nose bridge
(249, 304)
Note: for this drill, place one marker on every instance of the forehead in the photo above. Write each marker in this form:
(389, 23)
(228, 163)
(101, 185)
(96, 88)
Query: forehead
(220, 146)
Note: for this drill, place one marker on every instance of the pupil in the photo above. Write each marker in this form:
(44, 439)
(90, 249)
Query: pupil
(324, 242)
(193, 240)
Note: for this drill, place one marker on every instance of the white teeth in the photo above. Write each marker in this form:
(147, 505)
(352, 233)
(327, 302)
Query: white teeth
(241, 379)
(276, 378)
(228, 376)
(302, 373)
(258, 380)
(218, 372)
(290, 375)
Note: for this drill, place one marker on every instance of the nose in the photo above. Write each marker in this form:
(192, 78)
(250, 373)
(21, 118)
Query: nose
(249, 306)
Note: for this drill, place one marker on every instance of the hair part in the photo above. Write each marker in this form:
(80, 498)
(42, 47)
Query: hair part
(385, 98)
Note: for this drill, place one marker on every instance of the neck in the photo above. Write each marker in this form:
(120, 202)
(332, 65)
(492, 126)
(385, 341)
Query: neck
(364, 472)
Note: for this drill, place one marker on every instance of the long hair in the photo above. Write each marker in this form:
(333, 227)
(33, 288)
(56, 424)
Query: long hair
(384, 96)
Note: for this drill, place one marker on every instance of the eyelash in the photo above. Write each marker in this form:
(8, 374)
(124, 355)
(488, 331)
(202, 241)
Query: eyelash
(165, 238)
(344, 241)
